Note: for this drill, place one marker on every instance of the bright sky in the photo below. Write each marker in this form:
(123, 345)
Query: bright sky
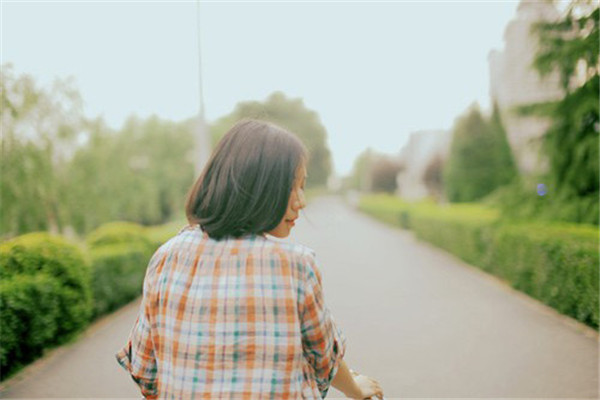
(374, 71)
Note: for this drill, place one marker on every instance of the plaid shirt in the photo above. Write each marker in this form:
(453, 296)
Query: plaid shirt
(235, 319)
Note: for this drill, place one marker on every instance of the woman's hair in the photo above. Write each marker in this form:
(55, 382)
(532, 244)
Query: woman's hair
(246, 185)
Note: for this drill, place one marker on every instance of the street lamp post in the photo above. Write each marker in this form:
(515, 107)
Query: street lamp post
(202, 142)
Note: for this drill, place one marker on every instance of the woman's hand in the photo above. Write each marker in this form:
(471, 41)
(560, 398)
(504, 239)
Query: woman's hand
(368, 387)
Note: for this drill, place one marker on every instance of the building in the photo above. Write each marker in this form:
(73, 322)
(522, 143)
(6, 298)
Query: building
(422, 148)
(514, 82)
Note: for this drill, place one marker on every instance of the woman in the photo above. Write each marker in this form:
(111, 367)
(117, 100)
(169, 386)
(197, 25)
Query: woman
(228, 312)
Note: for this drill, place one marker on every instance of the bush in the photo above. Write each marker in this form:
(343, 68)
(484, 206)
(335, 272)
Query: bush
(555, 263)
(462, 229)
(159, 234)
(118, 274)
(36, 253)
(45, 295)
(29, 318)
(119, 233)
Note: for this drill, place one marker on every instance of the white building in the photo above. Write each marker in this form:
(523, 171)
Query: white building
(514, 82)
(422, 148)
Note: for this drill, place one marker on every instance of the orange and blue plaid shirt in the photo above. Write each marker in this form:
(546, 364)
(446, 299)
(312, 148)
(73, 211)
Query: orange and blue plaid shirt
(232, 319)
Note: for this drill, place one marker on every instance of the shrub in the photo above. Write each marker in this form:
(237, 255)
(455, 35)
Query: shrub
(159, 234)
(29, 318)
(462, 229)
(119, 233)
(118, 274)
(42, 253)
(45, 295)
(555, 263)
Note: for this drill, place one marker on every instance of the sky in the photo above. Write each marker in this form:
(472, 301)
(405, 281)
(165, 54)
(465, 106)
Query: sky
(374, 71)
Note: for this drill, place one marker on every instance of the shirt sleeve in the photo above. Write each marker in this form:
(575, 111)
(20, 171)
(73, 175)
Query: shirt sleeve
(323, 342)
(138, 356)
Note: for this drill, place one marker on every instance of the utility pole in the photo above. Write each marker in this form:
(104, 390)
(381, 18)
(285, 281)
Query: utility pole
(202, 142)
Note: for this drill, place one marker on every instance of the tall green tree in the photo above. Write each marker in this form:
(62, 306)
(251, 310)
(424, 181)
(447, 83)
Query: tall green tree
(479, 160)
(139, 173)
(39, 132)
(570, 46)
(501, 155)
(293, 115)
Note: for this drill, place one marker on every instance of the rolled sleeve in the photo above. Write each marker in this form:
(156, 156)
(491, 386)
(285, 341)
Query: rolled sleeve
(138, 355)
(323, 342)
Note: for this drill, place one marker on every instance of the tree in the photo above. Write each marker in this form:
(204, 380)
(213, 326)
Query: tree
(571, 47)
(433, 178)
(60, 170)
(505, 168)
(39, 130)
(467, 173)
(384, 171)
(292, 115)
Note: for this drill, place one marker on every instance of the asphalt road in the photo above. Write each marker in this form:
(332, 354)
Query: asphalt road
(419, 320)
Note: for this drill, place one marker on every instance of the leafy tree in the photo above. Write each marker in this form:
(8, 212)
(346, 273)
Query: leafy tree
(433, 178)
(60, 170)
(501, 157)
(571, 47)
(480, 159)
(140, 173)
(384, 171)
(293, 115)
(39, 129)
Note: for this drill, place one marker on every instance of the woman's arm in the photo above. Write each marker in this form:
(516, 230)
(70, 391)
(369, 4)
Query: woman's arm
(344, 382)
(354, 385)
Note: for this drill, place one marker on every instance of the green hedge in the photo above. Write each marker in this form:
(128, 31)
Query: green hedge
(118, 273)
(50, 289)
(555, 263)
(120, 252)
(119, 233)
(29, 318)
(45, 295)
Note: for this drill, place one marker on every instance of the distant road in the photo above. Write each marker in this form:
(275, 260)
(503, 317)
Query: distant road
(419, 320)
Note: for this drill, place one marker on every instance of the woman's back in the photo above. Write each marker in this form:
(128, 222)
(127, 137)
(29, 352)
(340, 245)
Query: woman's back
(233, 318)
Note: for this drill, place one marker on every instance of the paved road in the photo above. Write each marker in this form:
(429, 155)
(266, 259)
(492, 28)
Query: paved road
(419, 320)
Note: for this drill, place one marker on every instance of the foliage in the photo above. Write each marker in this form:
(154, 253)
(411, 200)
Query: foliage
(373, 172)
(45, 295)
(556, 263)
(383, 175)
(526, 199)
(119, 233)
(433, 178)
(140, 173)
(480, 159)
(570, 46)
(63, 172)
(118, 274)
(292, 115)
(29, 318)
(39, 129)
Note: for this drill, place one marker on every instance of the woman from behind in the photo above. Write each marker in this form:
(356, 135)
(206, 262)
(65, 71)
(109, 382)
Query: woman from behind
(227, 312)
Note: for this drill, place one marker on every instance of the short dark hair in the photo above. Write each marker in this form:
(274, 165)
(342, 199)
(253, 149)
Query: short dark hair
(246, 185)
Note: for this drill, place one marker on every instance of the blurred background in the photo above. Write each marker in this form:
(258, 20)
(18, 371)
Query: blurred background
(473, 124)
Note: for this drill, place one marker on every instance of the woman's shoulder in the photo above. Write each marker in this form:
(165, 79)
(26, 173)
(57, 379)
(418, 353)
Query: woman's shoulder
(295, 250)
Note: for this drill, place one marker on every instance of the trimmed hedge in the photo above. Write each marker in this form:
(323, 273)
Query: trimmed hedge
(45, 295)
(50, 290)
(118, 233)
(555, 263)
(118, 273)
